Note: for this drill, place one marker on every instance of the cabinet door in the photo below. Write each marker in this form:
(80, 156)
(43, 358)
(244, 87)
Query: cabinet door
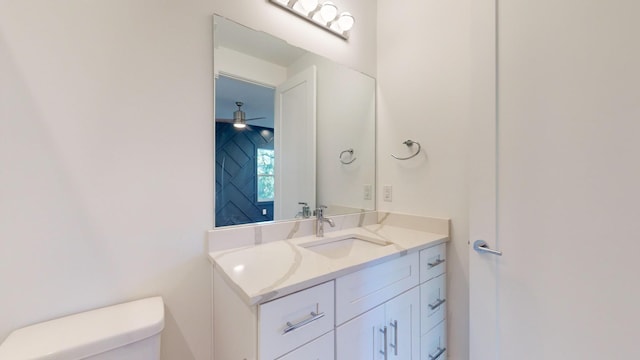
(433, 262)
(365, 289)
(318, 349)
(292, 321)
(434, 306)
(403, 322)
(362, 338)
(434, 343)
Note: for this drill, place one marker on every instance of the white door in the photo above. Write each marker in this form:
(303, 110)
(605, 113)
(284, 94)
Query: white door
(295, 144)
(556, 180)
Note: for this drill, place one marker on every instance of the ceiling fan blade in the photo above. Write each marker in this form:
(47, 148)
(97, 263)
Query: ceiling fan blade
(225, 120)
(256, 118)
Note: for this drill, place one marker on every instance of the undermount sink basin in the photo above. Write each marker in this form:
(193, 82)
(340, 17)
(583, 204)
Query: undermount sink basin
(344, 246)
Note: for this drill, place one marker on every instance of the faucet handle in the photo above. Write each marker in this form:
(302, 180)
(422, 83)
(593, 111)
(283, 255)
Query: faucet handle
(306, 212)
(320, 210)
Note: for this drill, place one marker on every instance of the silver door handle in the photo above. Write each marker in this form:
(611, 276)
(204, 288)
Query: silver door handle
(290, 327)
(481, 246)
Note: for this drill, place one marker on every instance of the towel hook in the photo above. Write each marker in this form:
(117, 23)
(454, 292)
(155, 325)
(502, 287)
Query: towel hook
(409, 143)
(350, 152)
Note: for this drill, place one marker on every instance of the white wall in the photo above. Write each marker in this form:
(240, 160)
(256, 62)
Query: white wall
(243, 66)
(106, 161)
(106, 153)
(359, 52)
(423, 87)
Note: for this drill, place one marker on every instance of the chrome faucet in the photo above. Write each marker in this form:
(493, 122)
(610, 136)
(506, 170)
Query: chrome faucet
(320, 220)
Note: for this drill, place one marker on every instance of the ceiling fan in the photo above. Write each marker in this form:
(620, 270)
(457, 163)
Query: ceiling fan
(239, 117)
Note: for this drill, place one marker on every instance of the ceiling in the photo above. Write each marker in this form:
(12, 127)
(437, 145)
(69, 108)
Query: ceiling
(258, 100)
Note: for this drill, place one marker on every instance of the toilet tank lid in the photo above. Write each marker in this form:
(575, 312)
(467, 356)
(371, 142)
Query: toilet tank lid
(88, 333)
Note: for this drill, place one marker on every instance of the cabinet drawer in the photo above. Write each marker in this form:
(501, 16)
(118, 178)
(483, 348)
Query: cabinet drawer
(434, 343)
(319, 349)
(367, 288)
(433, 306)
(291, 321)
(433, 262)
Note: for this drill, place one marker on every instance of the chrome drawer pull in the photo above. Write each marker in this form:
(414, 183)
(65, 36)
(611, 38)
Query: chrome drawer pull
(394, 325)
(438, 354)
(437, 304)
(384, 352)
(436, 263)
(290, 327)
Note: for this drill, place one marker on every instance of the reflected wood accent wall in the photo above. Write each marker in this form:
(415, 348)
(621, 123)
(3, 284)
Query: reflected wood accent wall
(236, 176)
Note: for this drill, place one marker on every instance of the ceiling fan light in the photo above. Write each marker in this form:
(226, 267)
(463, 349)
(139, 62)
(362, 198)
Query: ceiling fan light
(328, 11)
(239, 125)
(346, 21)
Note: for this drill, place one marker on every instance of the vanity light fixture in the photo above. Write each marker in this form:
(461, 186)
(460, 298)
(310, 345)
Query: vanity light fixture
(324, 14)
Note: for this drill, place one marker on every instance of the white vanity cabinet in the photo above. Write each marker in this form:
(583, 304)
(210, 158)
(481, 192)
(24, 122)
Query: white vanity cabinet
(433, 306)
(319, 349)
(393, 310)
(389, 331)
(294, 320)
(291, 327)
(434, 343)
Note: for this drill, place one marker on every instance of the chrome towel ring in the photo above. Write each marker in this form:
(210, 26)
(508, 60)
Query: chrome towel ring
(409, 143)
(350, 152)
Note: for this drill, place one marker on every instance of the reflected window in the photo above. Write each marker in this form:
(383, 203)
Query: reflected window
(266, 179)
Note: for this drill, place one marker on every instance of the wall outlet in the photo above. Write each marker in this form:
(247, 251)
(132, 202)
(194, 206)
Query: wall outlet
(387, 193)
(264, 211)
(368, 189)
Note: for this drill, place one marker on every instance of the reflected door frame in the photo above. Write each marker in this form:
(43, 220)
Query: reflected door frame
(295, 144)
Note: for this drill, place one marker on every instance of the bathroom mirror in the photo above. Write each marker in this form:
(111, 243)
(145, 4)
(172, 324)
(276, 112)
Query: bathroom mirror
(293, 130)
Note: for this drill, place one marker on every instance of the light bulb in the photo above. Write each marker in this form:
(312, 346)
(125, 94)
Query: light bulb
(308, 5)
(328, 11)
(346, 21)
(239, 125)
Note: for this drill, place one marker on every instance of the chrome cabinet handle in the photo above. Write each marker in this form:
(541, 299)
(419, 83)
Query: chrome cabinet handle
(481, 246)
(436, 263)
(394, 346)
(437, 304)
(438, 354)
(384, 352)
(290, 327)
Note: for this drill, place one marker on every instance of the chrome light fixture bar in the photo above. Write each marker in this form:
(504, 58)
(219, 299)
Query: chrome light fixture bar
(324, 14)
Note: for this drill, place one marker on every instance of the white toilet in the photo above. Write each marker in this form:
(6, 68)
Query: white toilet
(129, 331)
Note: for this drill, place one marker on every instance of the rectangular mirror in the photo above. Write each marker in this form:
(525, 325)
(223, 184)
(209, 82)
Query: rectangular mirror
(293, 130)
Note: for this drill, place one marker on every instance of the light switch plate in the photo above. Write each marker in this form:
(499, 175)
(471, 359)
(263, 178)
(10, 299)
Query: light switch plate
(367, 191)
(387, 193)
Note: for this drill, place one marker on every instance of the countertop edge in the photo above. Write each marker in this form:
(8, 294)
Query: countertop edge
(320, 278)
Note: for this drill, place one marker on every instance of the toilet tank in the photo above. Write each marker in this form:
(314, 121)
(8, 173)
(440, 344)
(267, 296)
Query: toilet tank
(129, 331)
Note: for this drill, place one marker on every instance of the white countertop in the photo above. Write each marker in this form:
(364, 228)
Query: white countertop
(264, 272)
